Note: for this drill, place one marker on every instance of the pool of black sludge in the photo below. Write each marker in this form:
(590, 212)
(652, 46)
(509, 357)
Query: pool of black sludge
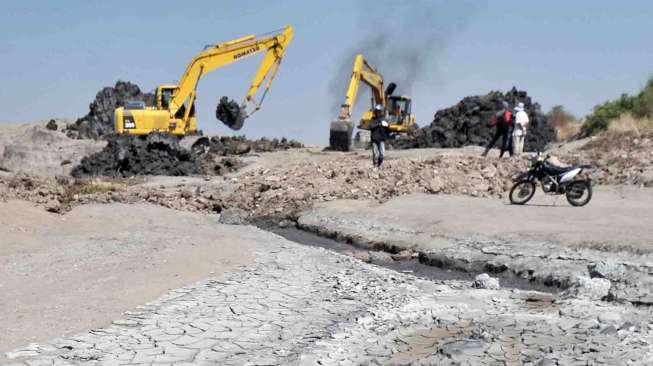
(411, 266)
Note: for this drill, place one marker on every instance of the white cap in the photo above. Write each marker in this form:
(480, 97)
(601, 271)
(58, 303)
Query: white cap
(378, 107)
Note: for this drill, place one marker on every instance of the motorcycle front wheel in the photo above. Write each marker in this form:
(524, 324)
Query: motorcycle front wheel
(522, 192)
(579, 193)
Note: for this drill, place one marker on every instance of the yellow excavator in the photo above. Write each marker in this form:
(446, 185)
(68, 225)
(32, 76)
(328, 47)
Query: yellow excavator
(174, 109)
(396, 108)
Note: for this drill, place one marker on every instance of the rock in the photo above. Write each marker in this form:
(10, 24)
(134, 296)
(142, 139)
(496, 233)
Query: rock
(52, 125)
(609, 317)
(378, 257)
(611, 271)
(54, 206)
(489, 172)
(436, 185)
(362, 256)
(234, 216)
(484, 281)
(403, 255)
(588, 288)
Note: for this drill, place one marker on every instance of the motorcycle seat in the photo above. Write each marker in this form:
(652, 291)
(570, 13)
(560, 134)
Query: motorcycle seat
(558, 170)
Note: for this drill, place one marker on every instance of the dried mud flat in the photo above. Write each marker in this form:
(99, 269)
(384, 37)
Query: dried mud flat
(305, 306)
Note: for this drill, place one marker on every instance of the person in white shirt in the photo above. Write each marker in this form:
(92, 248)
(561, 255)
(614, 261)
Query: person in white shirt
(519, 133)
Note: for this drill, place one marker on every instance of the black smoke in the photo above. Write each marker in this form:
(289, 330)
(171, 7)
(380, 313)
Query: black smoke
(404, 40)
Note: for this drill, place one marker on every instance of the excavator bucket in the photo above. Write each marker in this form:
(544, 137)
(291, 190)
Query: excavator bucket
(230, 113)
(340, 135)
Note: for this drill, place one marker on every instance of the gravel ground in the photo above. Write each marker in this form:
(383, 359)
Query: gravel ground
(297, 305)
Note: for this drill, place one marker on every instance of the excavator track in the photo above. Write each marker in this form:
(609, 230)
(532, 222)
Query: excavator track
(340, 135)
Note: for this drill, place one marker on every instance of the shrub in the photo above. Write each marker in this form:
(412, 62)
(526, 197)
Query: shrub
(640, 106)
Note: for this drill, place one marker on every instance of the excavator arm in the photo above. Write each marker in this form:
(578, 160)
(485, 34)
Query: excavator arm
(340, 131)
(362, 72)
(219, 55)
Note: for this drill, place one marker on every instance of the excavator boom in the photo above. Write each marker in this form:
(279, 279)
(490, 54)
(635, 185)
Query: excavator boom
(175, 112)
(340, 133)
(222, 54)
(362, 72)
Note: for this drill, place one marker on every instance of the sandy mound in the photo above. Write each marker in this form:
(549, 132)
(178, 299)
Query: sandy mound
(39, 151)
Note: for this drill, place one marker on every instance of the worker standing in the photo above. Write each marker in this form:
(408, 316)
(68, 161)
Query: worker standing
(519, 133)
(502, 120)
(379, 133)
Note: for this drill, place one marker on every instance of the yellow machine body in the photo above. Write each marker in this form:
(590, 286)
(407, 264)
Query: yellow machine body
(174, 109)
(396, 109)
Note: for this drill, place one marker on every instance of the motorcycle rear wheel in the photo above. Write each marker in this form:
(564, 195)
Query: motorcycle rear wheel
(522, 192)
(576, 193)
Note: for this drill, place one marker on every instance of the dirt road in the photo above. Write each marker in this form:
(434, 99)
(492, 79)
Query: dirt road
(617, 217)
(64, 274)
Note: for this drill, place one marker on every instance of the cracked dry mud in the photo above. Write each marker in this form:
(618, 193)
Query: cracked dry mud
(297, 305)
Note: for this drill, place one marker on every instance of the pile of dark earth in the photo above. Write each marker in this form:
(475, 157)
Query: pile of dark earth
(163, 154)
(239, 145)
(469, 123)
(98, 123)
(155, 154)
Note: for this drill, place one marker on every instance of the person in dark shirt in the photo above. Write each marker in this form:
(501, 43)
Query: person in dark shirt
(502, 120)
(379, 133)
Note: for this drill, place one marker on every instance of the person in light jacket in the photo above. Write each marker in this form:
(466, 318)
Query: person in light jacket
(519, 132)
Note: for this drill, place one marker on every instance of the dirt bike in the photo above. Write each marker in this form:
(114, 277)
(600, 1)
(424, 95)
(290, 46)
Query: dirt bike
(554, 180)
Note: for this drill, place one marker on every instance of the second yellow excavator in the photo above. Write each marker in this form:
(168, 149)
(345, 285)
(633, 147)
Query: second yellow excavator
(397, 108)
(174, 109)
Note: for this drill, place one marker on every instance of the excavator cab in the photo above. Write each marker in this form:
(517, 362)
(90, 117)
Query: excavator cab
(399, 115)
(164, 96)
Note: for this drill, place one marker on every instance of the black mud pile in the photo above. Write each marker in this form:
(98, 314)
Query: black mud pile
(229, 112)
(98, 123)
(161, 154)
(52, 125)
(155, 154)
(239, 145)
(470, 123)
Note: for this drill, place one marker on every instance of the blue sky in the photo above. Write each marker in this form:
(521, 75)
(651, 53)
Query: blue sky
(57, 54)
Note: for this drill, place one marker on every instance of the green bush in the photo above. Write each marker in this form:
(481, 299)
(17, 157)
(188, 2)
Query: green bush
(640, 106)
(643, 104)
